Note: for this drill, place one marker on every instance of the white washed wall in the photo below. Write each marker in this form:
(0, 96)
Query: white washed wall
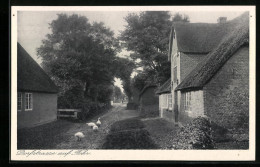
(197, 104)
(163, 104)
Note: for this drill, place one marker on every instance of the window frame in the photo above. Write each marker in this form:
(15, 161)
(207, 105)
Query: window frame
(21, 101)
(187, 104)
(26, 102)
(169, 99)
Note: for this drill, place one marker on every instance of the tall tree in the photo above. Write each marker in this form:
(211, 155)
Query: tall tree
(77, 54)
(147, 36)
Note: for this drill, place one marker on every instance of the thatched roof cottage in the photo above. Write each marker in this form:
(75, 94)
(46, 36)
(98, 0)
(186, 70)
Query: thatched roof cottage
(36, 92)
(210, 71)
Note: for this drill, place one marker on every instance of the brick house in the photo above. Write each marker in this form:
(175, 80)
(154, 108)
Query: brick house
(210, 72)
(149, 102)
(36, 93)
(165, 100)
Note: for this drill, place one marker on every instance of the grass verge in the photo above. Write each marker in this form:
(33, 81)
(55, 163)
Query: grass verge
(128, 134)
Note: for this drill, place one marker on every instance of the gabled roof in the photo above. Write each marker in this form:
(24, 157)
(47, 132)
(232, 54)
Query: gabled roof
(165, 88)
(206, 69)
(30, 76)
(201, 37)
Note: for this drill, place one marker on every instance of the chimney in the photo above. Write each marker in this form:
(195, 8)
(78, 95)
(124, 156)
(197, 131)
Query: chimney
(222, 19)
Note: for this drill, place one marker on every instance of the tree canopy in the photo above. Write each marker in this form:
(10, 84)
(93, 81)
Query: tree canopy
(81, 58)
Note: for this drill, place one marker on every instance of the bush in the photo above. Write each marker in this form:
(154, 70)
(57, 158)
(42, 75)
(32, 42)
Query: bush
(90, 109)
(195, 135)
(132, 139)
(127, 124)
(128, 134)
(149, 111)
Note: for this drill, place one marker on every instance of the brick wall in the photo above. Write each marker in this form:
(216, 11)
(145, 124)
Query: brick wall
(227, 93)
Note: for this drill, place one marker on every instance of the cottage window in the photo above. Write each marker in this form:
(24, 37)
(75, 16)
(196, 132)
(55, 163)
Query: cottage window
(187, 104)
(19, 101)
(170, 101)
(28, 101)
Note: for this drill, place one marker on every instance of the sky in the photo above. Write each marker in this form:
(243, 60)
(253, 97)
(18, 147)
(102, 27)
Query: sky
(33, 26)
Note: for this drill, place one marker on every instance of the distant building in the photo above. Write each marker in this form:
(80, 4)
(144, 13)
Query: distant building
(36, 93)
(149, 102)
(210, 72)
(165, 100)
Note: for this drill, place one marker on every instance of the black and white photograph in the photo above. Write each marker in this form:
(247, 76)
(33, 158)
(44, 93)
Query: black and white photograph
(133, 83)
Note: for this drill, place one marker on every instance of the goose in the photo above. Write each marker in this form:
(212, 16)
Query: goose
(98, 123)
(91, 124)
(95, 128)
(79, 136)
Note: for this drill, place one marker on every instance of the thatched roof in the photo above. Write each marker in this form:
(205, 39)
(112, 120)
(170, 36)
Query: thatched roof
(205, 70)
(201, 37)
(145, 88)
(165, 88)
(30, 76)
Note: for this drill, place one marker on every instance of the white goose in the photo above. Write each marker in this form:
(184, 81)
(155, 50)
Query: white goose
(95, 128)
(91, 124)
(79, 136)
(98, 123)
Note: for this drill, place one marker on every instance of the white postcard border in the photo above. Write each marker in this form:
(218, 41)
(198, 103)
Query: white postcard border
(183, 155)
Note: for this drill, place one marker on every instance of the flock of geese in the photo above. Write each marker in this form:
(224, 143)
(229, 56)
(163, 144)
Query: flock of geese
(94, 126)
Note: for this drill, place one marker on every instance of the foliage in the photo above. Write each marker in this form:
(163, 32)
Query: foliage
(81, 59)
(90, 109)
(118, 95)
(195, 135)
(128, 134)
(149, 111)
(147, 37)
(124, 69)
(179, 17)
(127, 124)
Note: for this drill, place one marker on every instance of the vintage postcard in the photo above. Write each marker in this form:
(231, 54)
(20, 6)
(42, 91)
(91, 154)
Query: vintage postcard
(133, 83)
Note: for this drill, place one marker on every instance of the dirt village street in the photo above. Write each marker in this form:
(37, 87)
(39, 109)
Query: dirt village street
(61, 135)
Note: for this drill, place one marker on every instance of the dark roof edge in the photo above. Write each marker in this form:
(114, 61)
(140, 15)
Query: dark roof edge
(163, 92)
(36, 91)
(187, 89)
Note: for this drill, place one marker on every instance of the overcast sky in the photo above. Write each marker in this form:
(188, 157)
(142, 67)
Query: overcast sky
(33, 26)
